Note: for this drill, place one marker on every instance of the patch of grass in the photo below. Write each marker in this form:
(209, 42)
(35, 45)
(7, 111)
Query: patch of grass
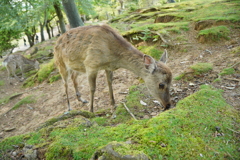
(215, 33)
(151, 50)
(179, 77)
(1, 83)
(185, 132)
(54, 78)
(227, 71)
(6, 99)
(8, 143)
(25, 100)
(45, 71)
(200, 68)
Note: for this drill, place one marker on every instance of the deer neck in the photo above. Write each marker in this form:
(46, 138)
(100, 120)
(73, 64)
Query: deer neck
(132, 60)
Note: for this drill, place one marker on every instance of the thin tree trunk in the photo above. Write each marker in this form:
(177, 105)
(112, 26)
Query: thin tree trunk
(60, 16)
(48, 30)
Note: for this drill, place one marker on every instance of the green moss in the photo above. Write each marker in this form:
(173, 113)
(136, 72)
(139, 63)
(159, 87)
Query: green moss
(45, 71)
(6, 99)
(54, 78)
(8, 143)
(25, 100)
(227, 71)
(1, 83)
(151, 50)
(179, 77)
(185, 132)
(215, 33)
(200, 68)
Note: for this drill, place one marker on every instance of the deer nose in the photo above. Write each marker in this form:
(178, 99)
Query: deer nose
(168, 106)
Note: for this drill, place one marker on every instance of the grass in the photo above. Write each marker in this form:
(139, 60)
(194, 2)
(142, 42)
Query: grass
(26, 100)
(215, 33)
(200, 68)
(45, 71)
(6, 99)
(227, 71)
(151, 50)
(42, 75)
(180, 133)
(2, 83)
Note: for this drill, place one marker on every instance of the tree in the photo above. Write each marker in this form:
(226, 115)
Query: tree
(72, 13)
(58, 11)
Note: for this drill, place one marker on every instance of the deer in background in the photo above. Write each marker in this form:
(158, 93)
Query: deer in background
(89, 49)
(13, 61)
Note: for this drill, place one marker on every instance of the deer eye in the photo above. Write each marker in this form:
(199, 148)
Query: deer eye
(161, 86)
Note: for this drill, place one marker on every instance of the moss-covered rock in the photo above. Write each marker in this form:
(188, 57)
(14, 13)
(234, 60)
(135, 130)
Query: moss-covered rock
(118, 151)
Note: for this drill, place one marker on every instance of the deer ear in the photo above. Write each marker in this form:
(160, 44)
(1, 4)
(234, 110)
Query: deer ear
(164, 57)
(149, 63)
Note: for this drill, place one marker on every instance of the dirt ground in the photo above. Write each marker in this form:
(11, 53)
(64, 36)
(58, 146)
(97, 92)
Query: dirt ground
(51, 100)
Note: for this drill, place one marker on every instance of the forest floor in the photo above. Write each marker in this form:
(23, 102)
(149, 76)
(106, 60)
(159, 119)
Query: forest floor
(51, 99)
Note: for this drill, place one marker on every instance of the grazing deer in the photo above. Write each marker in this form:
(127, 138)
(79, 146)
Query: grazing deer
(15, 60)
(89, 49)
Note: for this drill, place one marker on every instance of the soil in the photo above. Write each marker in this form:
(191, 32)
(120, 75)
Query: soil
(51, 99)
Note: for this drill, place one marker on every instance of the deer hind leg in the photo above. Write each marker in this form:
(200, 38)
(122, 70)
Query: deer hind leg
(64, 73)
(109, 75)
(12, 69)
(9, 74)
(75, 83)
(92, 76)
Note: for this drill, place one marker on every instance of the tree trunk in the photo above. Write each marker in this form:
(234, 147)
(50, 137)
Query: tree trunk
(60, 16)
(42, 31)
(72, 13)
(30, 36)
(48, 29)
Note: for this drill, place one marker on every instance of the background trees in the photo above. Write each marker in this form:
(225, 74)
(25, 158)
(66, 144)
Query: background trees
(20, 18)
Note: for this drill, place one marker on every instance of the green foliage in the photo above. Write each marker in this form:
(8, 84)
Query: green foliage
(179, 77)
(215, 33)
(180, 133)
(26, 100)
(200, 68)
(8, 143)
(6, 99)
(45, 71)
(1, 83)
(54, 78)
(151, 50)
(227, 71)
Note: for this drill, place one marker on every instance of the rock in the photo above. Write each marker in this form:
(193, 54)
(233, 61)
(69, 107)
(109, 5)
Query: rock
(143, 103)
(30, 153)
(153, 114)
(112, 151)
(146, 117)
(9, 129)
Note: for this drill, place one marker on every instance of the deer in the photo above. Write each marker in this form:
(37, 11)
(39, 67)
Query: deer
(88, 49)
(13, 61)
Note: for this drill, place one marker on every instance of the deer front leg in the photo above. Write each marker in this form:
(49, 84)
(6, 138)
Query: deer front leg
(64, 74)
(109, 75)
(75, 83)
(12, 69)
(21, 68)
(92, 83)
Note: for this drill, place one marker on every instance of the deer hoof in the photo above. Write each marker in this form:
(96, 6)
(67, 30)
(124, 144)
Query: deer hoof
(84, 101)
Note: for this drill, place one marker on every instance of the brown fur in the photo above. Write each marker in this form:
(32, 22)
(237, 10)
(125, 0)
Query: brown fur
(89, 49)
